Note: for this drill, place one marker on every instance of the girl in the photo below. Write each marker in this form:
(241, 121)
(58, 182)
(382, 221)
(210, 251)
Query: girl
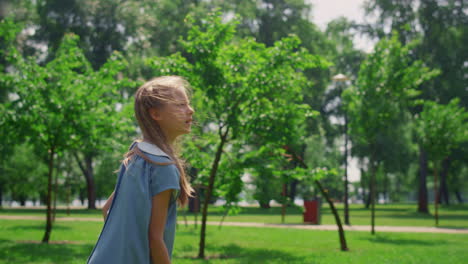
(140, 215)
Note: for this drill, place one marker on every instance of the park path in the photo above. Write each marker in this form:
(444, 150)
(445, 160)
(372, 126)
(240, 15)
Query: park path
(402, 229)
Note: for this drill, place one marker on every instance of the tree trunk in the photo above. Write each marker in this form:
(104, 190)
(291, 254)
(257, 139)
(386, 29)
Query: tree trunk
(422, 191)
(295, 182)
(43, 197)
(436, 196)
(346, 205)
(369, 195)
(2, 185)
(458, 195)
(265, 33)
(87, 169)
(81, 196)
(292, 191)
(194, 202)
(365, 196)
(22, 200)
(264, 205)
(90, 182)
(54, 210)
(372, 191)
(385, 187)
(443, 190)
(397, 189)
(68, 199)
(214, 169)
(1, 195)
(48, 229)
(341, 234)
(283, 206)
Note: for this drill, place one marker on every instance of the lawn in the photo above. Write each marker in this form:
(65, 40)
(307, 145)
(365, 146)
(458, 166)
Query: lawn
(386, 214)
(238, 245)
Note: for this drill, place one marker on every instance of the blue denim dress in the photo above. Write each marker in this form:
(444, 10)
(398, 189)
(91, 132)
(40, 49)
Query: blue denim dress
(124, 236)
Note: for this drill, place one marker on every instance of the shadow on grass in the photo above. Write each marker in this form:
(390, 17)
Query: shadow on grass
(384, 239)
(455, 207)
(233, 252)
(13, 252)
(42, 211)
(243, 255)
(416, 215)
(39, 227)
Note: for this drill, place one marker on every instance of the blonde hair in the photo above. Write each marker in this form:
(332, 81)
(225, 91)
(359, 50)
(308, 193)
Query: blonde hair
(155, 94)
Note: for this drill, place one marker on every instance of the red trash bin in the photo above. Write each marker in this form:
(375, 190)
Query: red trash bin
(312, 212)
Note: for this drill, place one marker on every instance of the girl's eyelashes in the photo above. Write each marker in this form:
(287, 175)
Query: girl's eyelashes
(179, 104)
(183, 104)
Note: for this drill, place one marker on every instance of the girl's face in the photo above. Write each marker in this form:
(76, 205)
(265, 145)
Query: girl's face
(175, 118)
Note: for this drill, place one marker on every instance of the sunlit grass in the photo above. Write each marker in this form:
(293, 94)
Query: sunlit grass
(238, 245)
(386, 214)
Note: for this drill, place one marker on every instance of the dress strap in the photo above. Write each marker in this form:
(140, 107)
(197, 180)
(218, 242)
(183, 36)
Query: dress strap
(133, 145)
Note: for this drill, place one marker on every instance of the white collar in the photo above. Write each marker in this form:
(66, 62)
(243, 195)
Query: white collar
(151, 148)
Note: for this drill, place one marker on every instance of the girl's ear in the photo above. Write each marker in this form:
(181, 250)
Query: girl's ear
(154, 114)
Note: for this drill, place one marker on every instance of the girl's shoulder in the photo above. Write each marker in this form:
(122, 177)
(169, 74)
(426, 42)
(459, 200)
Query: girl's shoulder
(157, 161)
(149, 150)
(147, 155)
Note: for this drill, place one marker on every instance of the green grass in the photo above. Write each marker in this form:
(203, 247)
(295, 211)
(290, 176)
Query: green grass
(239, 245)
(454, 216)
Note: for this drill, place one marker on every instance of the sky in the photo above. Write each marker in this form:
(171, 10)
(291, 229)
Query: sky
(326, 10)
(323, 11)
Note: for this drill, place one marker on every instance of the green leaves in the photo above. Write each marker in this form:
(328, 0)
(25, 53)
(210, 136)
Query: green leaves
(249, 87)
(66, 103)
(206, 35)
(320, 173)
(241, 86)
(386, 86)
(440, 128)
(174, 64)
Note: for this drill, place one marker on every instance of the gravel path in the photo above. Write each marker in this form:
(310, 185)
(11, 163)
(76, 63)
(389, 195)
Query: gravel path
(404, 229)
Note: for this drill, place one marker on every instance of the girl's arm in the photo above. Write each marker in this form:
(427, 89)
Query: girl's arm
(107, 205)
(158, 250)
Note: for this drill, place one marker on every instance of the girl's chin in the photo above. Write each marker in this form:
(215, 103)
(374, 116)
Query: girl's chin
(186, 130)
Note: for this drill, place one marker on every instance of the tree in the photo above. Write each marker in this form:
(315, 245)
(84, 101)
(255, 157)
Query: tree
(441, 128)
(441, 27)
(405, 22)
(265, 165)
(58, 104)
(24, 174)
(318, 174)
(250, 89)
(8, 32)
(377, 105)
